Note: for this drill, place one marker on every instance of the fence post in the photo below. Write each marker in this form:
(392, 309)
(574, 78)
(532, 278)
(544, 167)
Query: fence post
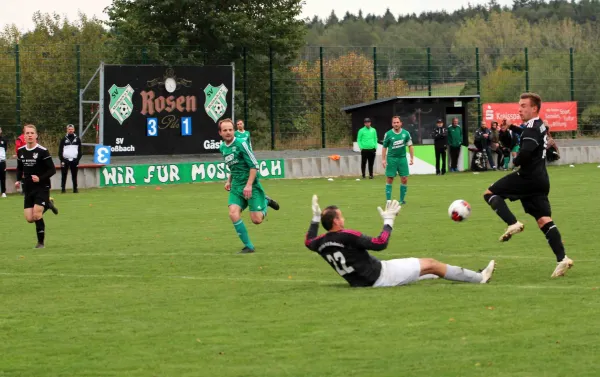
(323, 132)
(144, 55)
(478, 80)
(245, 83)
(18, 89)
(271, 99)
(572, 80)
(429, 71)
(526, 70)
(375, 72)
(78, 76)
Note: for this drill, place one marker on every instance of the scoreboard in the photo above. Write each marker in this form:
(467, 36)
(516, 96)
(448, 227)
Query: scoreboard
(165, 110)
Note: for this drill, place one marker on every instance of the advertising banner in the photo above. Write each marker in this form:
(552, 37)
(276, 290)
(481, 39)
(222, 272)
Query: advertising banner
(160, 174)
(561, 116)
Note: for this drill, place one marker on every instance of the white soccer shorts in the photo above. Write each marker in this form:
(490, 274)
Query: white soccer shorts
(398, 272)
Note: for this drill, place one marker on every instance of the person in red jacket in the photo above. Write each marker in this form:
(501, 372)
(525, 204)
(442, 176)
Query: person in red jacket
(19, 143)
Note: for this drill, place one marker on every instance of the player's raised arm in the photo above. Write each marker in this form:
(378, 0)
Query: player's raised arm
(380, 242)
(313, 229)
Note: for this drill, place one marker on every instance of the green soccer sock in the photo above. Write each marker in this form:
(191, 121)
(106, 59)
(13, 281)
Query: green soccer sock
(403, 189)
(506, 161)
(242, 232)
(388, 191)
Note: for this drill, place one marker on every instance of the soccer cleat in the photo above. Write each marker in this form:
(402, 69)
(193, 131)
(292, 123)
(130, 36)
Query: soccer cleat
(39, 246)
(246, 250)
(75, 191)
(403, 202)
(4, 195)
(52, 207)
(511, 230)
(273, 204)
(562, 267)
(486, 273)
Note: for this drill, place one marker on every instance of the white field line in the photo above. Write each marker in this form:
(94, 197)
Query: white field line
(258, 280)
(548, 257)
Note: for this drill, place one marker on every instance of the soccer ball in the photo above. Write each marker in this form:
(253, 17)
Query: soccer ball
(459, 210)
(219, 109)
(124, 108)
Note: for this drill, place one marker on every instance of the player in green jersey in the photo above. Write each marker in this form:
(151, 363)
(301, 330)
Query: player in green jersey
(241, 133)
(243, 183)
(394, 161)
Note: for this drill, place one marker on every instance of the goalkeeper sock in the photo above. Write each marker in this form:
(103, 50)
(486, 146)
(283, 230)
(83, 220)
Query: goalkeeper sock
(388, 191)
(242, 232)
(462, 274)
(403, 189)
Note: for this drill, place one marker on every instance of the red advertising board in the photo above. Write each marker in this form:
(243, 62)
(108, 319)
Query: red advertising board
(561, 116)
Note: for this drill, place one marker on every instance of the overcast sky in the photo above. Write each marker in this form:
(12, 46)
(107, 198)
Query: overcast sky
(19, 11)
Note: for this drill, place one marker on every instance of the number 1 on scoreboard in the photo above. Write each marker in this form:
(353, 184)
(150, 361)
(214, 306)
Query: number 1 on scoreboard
(186, 126)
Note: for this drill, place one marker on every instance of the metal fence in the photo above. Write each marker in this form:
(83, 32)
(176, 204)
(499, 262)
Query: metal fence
(296, 104)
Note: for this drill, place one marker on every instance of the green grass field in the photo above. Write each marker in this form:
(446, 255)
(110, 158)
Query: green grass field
(146, 282)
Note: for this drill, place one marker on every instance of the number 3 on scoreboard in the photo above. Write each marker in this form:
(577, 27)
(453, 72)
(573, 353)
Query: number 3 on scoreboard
(186, 126)
(151, 127)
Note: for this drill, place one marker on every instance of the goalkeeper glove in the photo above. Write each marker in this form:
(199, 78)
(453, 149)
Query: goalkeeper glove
(392, 208)
(316, 210)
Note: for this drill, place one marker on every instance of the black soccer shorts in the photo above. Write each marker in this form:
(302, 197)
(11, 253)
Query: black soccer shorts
(36, 196)
(531, 191)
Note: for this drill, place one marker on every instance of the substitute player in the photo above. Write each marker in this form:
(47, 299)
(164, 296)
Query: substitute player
(242, 134)
(34, 169)
(394, 161)
(346, 251)
(530, 184)
(243, 184)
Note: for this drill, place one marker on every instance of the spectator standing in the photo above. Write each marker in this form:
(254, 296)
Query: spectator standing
(367, 143)
(440, 141)
(455, 137)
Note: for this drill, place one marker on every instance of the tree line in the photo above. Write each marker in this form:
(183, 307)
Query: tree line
(402, 53)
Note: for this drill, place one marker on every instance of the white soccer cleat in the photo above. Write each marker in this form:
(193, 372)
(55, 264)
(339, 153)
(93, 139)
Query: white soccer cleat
(511, 230)
(562, 267)
(4, 195)
(486, 273)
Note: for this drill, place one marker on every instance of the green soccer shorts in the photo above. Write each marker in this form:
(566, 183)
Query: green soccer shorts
(257, 203)
(516, 148)
(397, 166)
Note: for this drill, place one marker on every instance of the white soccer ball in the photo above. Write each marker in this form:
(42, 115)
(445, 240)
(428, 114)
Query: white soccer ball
(459, 210)
(219, 109)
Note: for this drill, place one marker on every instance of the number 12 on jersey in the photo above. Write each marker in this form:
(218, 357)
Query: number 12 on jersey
(186, 126)
(338, 259)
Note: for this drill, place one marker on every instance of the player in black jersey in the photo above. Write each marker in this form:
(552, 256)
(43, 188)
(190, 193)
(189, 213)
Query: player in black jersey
(346, 251)
(34, 169)
(530, 184)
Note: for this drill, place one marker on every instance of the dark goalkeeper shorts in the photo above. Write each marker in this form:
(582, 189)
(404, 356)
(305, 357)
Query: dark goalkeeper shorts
(531, 191)
(36, 196)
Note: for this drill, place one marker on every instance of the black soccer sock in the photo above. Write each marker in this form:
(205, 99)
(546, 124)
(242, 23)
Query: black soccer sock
(499, 206)
(40, 229)
(554, 239)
